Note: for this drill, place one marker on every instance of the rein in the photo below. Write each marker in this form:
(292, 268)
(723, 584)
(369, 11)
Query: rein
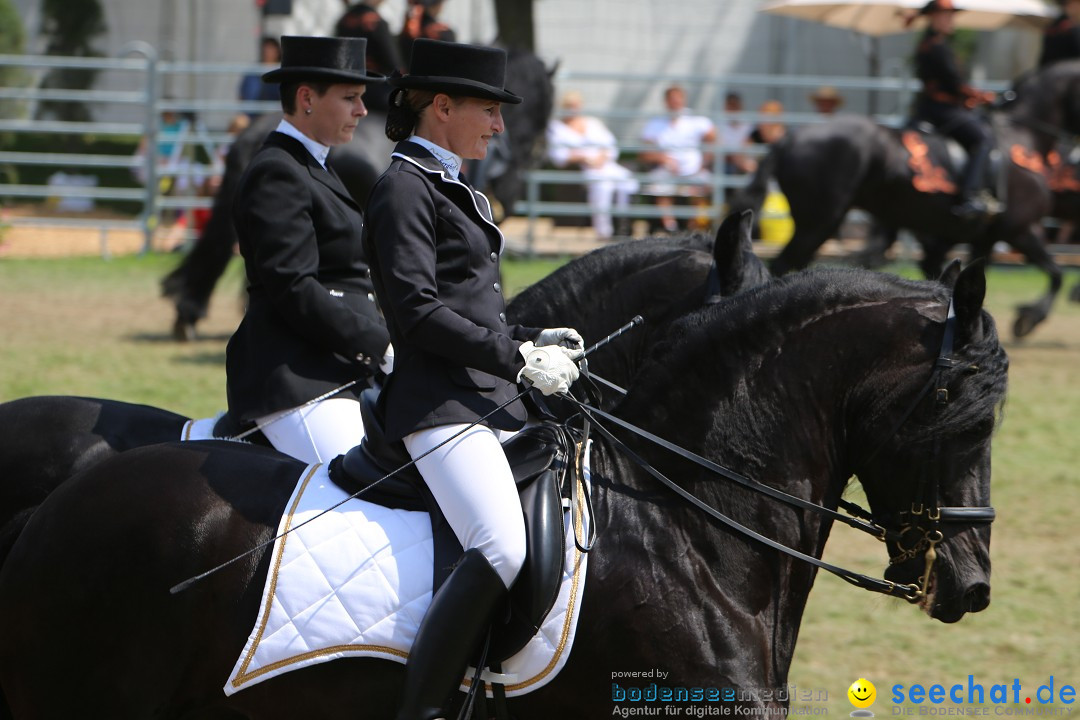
(926, 504)
(907, 592)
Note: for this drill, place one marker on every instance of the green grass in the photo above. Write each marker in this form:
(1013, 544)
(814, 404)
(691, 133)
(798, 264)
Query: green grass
(99, 328)
(87, 326)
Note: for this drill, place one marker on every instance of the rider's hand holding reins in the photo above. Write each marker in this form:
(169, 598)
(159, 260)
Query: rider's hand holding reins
(565, 337)
(551, 369)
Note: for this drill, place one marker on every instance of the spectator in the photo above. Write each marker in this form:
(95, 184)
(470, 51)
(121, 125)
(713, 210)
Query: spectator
(1061, 38)
(766, 132)
(422, 21)
(827, 100)
(252, 88)
(363, 20)
(736, 133)
(584, 142)
(678, 137)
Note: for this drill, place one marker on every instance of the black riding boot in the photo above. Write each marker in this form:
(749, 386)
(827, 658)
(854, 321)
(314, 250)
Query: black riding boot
(449, 636)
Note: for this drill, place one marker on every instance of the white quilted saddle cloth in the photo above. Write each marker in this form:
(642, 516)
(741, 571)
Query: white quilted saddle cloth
(200, 428)
(357, 581)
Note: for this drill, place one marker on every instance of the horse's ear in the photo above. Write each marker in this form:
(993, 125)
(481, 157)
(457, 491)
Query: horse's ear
(732, 241)
(950, 274)
(968, 296)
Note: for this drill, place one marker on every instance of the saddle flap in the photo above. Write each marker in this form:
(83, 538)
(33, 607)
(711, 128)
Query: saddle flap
(537, 586)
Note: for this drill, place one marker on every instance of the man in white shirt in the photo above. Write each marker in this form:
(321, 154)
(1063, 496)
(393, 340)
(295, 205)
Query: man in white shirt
(678, 138)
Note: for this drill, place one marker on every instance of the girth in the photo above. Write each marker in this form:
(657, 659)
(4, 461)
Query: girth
(539, 459)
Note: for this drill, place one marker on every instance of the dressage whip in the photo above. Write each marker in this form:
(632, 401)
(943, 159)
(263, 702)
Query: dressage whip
(182, 586)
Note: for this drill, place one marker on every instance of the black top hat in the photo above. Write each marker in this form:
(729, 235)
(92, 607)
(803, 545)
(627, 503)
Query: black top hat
(323, 58)
(457, 69)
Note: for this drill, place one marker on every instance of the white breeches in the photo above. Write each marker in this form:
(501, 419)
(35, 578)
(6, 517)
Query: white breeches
(317, 433)
(605, 186)
(473, 484)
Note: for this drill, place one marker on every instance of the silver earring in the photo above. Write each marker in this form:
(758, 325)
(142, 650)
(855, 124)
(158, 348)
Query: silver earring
(308, 111)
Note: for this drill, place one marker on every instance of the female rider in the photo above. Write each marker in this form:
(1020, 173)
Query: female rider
(434, 254)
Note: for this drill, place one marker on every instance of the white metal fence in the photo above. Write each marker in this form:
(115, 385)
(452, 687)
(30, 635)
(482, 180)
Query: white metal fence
(197, 150)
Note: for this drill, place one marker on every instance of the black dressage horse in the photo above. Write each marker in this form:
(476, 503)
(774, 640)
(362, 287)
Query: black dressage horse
(48, 439)
(358, 163)
(906, 180)
(769, 382)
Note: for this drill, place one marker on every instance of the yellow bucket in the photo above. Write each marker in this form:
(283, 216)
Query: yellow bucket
(776, 224)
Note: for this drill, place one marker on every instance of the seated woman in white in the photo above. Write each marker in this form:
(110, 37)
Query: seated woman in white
(576, 139)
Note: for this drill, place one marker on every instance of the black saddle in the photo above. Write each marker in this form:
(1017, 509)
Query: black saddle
(957, 156)
(539, 457)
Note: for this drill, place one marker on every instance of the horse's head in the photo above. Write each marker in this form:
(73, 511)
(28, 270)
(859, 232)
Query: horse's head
(926, 466)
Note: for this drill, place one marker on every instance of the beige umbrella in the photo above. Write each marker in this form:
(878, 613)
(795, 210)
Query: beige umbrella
(887, 17)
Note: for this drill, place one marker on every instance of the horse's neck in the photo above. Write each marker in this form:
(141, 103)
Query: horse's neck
(742, 593)
(1036, 122)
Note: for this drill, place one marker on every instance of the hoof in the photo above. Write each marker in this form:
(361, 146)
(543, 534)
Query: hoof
(1027, 319)
(183, 331)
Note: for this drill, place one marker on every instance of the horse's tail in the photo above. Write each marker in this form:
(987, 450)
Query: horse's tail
(752, 195)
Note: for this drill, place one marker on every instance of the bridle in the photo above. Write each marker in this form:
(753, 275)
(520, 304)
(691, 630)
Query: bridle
(926, 515)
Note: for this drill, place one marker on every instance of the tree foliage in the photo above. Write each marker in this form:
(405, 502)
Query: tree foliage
(515, 24)
(12, 42)
(70, 29)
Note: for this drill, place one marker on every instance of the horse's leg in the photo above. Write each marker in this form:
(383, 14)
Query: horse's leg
(1074, 294)
(1031, 243)
(934, 253)
(880, 237)
(192, 283)
(812, 228)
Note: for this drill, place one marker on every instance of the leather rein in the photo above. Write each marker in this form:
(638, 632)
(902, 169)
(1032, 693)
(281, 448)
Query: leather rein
(925, 514)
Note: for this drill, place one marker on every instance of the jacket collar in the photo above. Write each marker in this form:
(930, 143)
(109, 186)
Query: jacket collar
(420, 157)
(326, 175)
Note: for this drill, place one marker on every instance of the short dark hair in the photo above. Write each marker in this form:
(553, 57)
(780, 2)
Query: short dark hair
(289, 88)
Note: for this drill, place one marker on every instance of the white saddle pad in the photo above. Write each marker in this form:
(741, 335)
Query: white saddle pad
(356, 582)
(200, 428)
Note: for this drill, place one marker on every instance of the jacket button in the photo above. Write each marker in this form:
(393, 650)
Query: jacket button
(494, 257)
(502, 316)
(497, 287)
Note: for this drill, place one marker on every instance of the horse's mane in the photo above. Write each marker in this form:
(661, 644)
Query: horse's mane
(605, 267)
(736, 333)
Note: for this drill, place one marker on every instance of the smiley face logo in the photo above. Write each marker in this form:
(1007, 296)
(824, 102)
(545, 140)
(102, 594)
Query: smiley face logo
(862, 693)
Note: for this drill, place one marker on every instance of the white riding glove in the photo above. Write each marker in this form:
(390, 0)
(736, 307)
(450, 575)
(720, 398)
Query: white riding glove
(550, 369)
(564, 337)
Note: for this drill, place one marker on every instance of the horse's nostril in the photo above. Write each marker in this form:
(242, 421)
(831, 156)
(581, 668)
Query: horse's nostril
(977, 597)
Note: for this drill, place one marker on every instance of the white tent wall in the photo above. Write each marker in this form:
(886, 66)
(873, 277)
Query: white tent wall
(709, 38)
